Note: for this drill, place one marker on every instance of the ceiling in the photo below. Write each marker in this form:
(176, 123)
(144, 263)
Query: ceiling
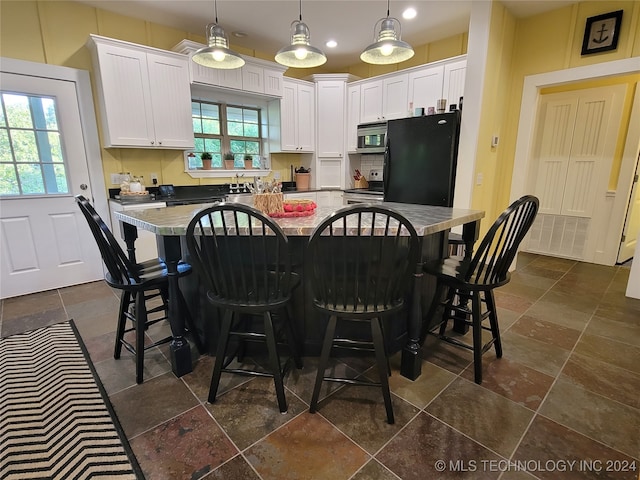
(350, 23)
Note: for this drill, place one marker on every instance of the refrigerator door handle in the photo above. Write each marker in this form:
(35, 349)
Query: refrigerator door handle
(385, 167)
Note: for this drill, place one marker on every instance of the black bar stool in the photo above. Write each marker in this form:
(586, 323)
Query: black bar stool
(139, 283)
(243, 258)
(361, 259)
(476, 278)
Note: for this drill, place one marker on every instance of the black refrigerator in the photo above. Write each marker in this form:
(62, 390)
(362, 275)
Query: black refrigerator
(420, 159)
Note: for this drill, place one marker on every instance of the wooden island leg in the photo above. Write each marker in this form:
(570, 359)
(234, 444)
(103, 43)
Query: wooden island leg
(411, 361)
(470, 232)
(179, 347)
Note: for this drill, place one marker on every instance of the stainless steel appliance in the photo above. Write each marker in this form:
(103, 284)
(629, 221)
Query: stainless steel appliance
(420, 159)
(362, 196)
(371, 137)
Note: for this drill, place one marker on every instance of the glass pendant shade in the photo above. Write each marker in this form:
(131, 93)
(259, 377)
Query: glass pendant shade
(300, 54)
(388, 48)
(217, 54)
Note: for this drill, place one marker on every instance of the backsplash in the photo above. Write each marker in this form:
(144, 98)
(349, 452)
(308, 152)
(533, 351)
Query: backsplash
(371, 162)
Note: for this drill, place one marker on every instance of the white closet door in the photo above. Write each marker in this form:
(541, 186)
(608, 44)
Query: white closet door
(593, 147)
(557, 125)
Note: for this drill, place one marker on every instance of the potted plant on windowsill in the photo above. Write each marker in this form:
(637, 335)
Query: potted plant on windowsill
(229, 161)
(248, 161)
(206, 160)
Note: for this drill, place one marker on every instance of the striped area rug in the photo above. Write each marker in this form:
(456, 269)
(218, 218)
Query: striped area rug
(55, 419)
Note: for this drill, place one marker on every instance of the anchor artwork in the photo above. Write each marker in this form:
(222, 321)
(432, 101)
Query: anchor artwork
(601, 33)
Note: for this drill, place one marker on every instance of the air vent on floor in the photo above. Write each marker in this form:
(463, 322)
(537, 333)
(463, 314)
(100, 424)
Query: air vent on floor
(558, 235)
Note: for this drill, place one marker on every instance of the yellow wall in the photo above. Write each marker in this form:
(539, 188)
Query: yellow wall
(494, 112)
(549, 42)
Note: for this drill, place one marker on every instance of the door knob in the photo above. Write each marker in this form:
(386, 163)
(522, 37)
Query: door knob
(83, 186)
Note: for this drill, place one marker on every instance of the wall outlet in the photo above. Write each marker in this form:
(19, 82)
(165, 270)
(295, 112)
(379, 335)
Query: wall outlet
(154, 178)
(276, 175)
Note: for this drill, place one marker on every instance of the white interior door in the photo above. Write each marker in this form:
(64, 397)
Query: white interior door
(577, 135)
(46, 242)
(632, 222)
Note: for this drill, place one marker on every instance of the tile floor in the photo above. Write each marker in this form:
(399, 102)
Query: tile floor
(563, 402)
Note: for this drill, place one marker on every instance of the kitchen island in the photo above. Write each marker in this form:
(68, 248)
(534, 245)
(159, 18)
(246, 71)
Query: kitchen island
(169, 224)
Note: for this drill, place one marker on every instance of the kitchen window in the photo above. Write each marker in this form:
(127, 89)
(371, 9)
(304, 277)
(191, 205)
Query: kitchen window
(222, 129)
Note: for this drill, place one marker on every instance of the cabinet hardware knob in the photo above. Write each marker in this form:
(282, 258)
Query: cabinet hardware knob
(83, 186)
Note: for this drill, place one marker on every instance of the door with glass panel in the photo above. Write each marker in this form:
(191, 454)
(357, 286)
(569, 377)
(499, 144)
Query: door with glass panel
(45, 242)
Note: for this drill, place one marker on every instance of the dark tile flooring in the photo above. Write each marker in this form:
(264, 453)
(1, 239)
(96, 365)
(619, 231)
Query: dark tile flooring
(563, 402)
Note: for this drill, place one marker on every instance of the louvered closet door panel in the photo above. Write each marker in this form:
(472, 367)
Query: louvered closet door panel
(592, 149)
(555, 148)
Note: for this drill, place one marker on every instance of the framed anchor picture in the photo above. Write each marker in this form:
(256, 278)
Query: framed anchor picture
(601, 33)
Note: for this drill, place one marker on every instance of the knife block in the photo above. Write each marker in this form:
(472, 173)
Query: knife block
(362, 183)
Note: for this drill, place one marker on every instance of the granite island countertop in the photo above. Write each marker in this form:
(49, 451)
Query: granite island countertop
(173, 221)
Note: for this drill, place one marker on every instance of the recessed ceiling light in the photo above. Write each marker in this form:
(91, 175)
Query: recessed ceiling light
(239, 34)
(331, 44)
(409, 13)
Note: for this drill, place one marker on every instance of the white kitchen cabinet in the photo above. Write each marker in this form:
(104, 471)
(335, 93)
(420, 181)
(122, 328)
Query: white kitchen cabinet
(453, 85)
(295, 117)
(384, 99)
(371, 101)
(425, 87)
(146, 244)
(330, 198)
(257, 79)
(256, 76)
(273, 82)
(330, 100)
(353, 116)
(144, 95)
(330, 173)
(252, 78)
(394, 96)
(301, 196)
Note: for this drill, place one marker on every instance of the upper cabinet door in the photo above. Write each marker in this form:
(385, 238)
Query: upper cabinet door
(125, 103)
(144, 95)
(353, 116)
(171, 101)
(331, 102)
(252, 78)
(453, 86)
(296, 116)
(371, 101)
(289, 117)
(425, 87)
(306, 117)
(394, 97)
(273, 81)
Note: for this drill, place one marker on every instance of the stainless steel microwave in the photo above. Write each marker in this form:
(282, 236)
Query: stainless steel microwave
(371, 137)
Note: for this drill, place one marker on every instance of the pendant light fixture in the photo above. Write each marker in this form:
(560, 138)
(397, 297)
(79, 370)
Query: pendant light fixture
(387, 47)
(217, 54)
(300, 54)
